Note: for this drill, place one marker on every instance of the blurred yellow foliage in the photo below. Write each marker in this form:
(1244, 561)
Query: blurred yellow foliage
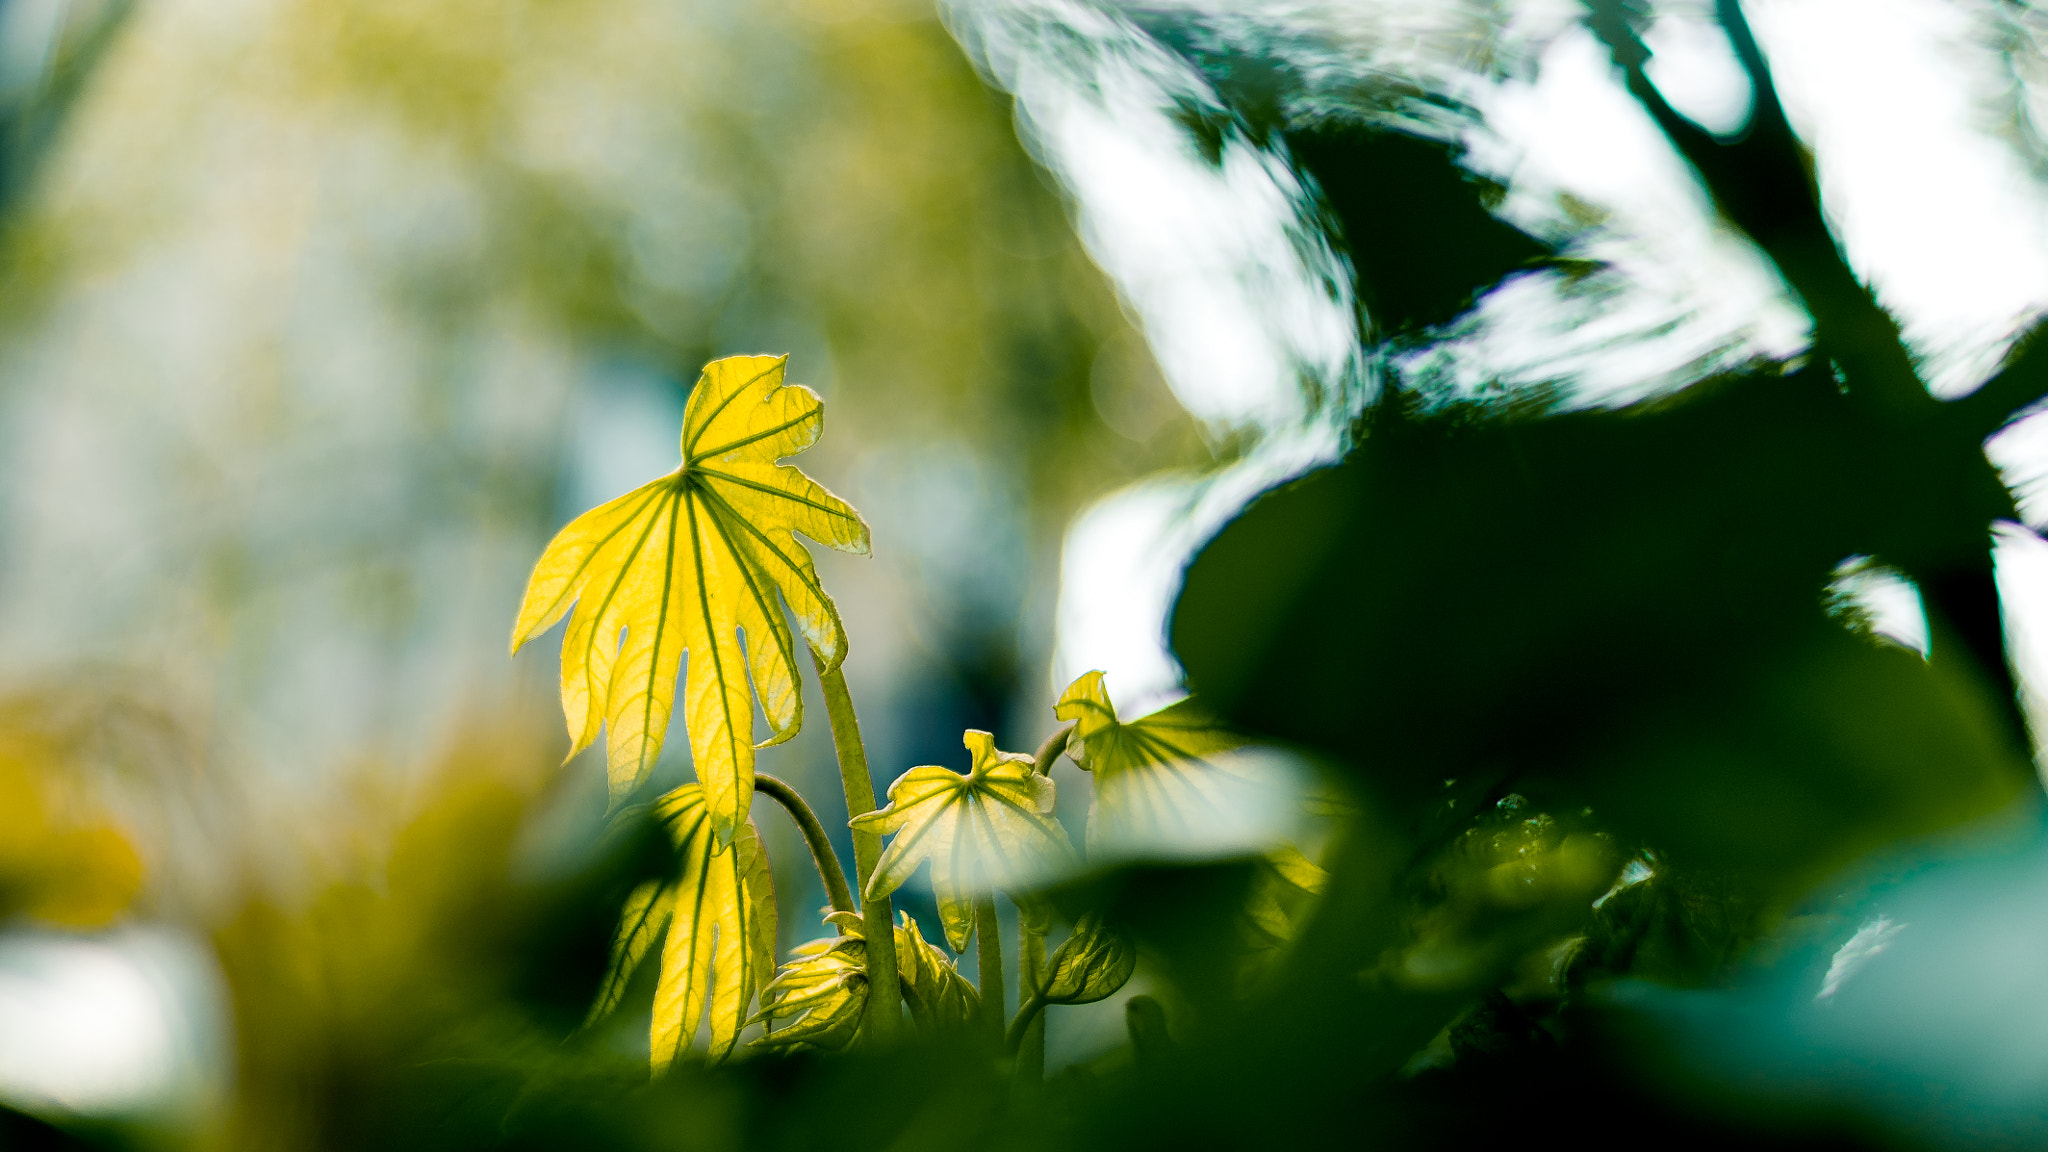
(61, 861)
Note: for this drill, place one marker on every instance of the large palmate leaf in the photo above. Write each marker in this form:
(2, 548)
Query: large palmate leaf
(992, 828)
(1158, 779)
(686, 565)
(720, 911)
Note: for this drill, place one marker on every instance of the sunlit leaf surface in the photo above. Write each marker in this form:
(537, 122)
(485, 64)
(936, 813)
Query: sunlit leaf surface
(1156, 778)
(687, 565)
(988, 829)
(720, 911)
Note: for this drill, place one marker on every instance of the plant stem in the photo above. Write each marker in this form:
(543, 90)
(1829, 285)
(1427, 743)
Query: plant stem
(883, 993)
(1030, 1046)
(1031, 945)
(1031, 1013)
(989, 953)
(1049, 752)
(814, 835)
(1030, 984)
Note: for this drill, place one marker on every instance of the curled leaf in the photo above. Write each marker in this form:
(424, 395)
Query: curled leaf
(1090, 965)
(685, 565)
(721, 937)
(991, 828)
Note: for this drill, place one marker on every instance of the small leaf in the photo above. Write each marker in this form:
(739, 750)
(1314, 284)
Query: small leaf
(992, 828)
(685, 565)
(721, 939)
(938, 996)
(1090, 965)
(646, 913)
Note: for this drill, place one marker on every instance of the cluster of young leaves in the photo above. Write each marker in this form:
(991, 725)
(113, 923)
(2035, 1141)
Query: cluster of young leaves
(823, 990)
(681, 567)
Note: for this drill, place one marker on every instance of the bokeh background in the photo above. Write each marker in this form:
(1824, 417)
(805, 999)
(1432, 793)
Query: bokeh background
(317, 319)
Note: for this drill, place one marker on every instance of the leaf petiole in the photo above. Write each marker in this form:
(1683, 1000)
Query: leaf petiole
(988, 951)
(1026, 1015)
(814, 835)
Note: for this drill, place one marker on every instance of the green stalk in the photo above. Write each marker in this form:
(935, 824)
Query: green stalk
(989, 951)
(1030, 1045)
(1031, 1016)
(814, 835)
(1030, 985)
(1049, 752)
(883, 992)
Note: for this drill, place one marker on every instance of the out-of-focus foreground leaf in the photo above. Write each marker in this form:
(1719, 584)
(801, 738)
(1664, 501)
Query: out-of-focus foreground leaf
(59, 862)
(1623, 609)
(989, 829)
(719, 908)
(684, 565)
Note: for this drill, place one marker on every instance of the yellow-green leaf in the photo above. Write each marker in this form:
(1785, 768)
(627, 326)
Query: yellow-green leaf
(1156, 778)
(684, 566)
(938, 996)
(721, 938)
(992, 828)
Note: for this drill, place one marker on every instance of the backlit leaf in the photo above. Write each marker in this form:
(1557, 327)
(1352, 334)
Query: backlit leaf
(721, 938)
(686, 565)
(989, 829)
(938, 996)
(1155, 777)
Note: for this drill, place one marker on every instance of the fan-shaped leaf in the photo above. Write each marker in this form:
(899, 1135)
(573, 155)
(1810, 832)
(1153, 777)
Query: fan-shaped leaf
(992, 828)
(686, 565)
(1155, 777)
